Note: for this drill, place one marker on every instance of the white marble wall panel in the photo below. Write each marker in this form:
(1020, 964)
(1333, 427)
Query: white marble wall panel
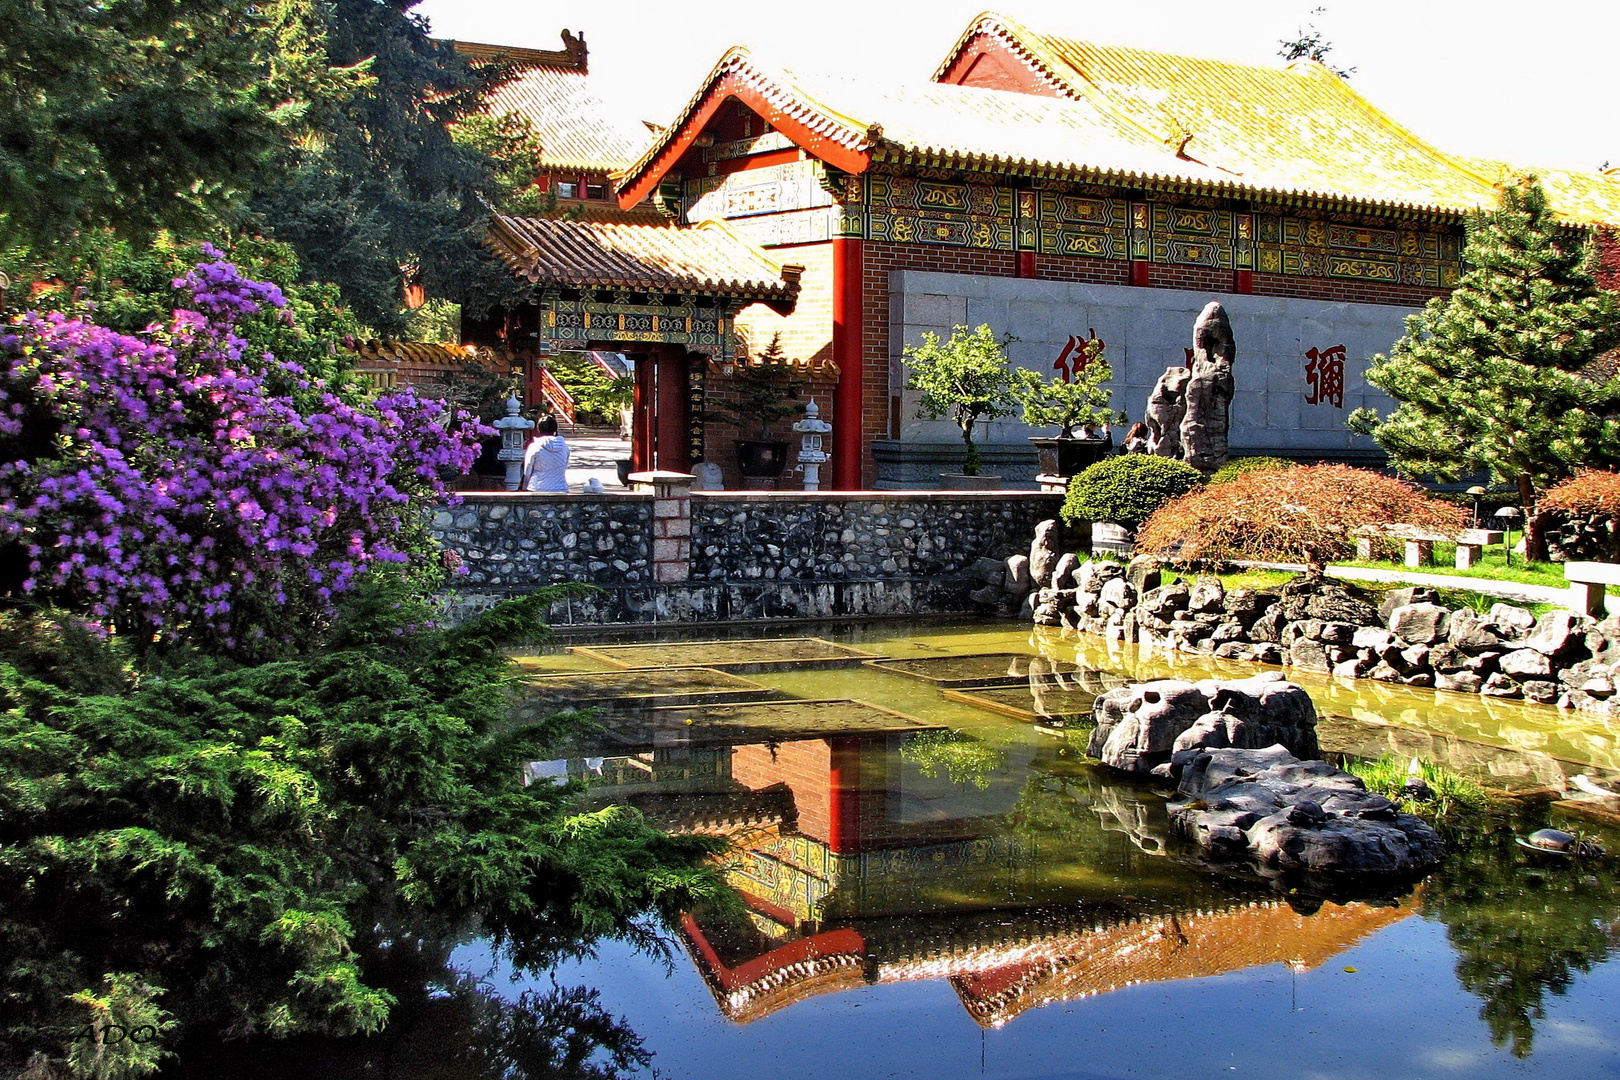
(1146, 330)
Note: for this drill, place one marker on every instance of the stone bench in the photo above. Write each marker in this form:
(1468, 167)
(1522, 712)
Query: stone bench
(1589, 585)
(1419, 543)
(1471, 544)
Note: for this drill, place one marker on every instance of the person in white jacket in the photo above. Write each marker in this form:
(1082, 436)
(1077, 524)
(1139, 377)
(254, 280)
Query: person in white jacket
(545, 461)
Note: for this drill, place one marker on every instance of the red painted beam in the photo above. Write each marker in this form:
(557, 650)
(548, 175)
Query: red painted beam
(756, 161)
(848, 306)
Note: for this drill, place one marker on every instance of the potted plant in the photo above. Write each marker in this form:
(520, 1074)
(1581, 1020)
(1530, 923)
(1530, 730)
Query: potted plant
(1070, 404)
(761, 394)
(967, 379)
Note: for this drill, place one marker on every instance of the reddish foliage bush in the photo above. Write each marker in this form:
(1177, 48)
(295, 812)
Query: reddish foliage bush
(1590, 491)
(1307, 514)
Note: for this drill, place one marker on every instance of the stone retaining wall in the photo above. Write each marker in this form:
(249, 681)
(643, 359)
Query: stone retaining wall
(515, 542)
(798, 536)
(753, 555)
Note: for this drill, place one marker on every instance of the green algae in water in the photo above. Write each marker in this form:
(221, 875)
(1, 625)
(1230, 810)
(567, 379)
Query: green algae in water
(740, 657)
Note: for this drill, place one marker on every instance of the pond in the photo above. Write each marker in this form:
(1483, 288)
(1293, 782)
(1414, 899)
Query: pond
(932, 881)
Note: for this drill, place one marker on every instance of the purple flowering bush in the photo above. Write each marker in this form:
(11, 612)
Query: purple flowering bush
(178, 486)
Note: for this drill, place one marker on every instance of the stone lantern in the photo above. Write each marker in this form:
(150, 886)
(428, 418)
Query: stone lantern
(513, 428)
(811, 455)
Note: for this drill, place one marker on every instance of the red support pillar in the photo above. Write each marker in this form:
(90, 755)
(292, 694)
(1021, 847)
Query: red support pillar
(847, 347)
(844, 796)
(641, 428)
(671, 411)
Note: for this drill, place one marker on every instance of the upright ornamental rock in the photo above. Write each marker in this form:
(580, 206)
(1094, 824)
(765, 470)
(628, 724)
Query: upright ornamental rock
(1043, 553)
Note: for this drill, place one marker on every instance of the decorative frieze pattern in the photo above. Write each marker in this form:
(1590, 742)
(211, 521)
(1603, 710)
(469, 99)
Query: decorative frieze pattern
(802, 202)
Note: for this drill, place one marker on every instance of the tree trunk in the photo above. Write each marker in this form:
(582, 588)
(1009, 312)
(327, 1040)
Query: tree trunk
(970, 453)
(1535, 524)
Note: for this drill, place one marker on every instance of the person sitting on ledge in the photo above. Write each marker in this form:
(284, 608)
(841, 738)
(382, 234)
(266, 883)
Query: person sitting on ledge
(545, 461)
(1136, 439)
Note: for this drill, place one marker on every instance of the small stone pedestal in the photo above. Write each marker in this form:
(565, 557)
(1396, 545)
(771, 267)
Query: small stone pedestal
(1419, 552)
(672, 523)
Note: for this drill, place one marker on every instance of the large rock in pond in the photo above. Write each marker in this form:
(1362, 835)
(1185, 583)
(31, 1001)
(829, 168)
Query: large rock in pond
(1139, 727)
(1293, 816)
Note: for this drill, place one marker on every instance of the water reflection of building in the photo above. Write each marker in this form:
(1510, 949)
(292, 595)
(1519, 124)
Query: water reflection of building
(854, 868)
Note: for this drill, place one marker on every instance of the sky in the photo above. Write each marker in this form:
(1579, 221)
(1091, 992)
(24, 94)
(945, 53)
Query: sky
(1535, 82)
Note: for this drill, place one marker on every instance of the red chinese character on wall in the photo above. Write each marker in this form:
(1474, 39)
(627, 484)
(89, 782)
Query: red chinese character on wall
(1325, 373)
(1078, 354)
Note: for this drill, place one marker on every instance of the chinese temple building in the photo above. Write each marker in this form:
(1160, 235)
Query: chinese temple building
(1055, 190)
(666, 297)
(582, 143)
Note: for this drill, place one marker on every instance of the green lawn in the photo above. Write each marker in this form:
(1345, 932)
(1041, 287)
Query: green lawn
(1493, 566)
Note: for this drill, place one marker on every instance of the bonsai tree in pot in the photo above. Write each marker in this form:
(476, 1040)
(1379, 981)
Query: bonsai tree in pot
(763, 393)
(1069, 404)
(967, 379)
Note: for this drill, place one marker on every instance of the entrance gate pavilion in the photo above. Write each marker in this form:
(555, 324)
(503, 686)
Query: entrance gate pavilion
(664, 296)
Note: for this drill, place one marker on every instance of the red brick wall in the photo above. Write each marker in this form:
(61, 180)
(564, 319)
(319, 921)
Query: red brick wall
(880, 258)
(806, 767)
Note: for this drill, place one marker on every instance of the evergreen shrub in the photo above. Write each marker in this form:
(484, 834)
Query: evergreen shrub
(1239, 466)
(1127, 489)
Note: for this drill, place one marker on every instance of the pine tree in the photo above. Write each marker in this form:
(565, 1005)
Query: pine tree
(139, 117)
(386, 189)
(1499, 376)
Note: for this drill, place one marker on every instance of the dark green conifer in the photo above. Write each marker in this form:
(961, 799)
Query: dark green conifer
(1505, 375)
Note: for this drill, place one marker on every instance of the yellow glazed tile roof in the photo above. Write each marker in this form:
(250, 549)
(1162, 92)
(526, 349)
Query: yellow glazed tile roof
(1298, 128)
(1122, 115)
(709, 259)
(1579, 198)
(419, 352)
(576, 131)
(950, 126)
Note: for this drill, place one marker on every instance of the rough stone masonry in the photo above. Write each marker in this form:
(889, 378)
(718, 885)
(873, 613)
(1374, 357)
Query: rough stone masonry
(1561, 658)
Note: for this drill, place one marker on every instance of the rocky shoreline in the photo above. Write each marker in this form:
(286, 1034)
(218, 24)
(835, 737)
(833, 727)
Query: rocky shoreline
(1316, 624)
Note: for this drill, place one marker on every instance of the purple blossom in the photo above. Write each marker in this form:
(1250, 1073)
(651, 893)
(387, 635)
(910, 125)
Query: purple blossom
(174, 481)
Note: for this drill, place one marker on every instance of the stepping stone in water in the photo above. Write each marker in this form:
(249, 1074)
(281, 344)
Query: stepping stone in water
(979, 669)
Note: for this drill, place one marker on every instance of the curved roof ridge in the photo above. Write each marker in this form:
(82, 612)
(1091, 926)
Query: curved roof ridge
(1320, 71)
(772, 81)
